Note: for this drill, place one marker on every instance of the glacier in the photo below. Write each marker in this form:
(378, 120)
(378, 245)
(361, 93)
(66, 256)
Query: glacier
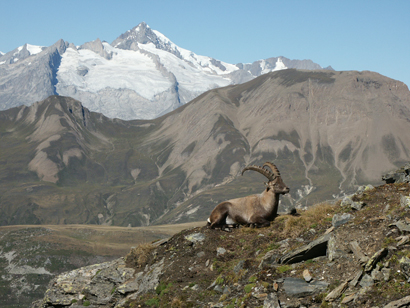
(141, 75)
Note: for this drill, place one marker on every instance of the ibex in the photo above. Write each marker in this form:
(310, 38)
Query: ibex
(255, 210)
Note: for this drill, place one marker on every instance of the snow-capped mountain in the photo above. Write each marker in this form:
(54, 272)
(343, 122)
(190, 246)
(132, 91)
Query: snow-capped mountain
(140, 75)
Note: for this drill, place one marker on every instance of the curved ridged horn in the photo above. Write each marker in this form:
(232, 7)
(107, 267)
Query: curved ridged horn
(272, 167)
(261, 170)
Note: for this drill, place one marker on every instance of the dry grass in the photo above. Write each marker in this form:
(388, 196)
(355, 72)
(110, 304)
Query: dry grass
(314, 216)
(138, 256)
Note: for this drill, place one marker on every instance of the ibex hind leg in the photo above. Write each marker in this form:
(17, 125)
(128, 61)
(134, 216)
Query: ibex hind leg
(217, 219)
(260, 222)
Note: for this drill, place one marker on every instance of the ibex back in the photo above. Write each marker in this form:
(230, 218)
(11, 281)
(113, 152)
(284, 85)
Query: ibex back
(257, 210)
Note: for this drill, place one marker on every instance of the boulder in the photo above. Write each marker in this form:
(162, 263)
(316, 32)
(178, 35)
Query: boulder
(341, 219)
(401, 175)
(314, 249)
(300, 288)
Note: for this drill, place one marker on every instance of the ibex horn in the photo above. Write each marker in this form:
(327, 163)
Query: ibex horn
(272, 167)
(261, 170)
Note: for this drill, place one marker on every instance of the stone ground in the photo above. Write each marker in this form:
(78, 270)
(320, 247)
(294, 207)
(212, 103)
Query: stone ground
(349, 253)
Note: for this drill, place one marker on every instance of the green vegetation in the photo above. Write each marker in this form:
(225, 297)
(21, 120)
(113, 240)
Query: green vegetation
(153, 302)
(284, 268)
(248, 287)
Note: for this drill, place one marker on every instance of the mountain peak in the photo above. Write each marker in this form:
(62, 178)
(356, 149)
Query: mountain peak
(142, 34)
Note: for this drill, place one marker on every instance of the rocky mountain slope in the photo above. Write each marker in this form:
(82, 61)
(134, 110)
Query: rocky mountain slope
(30, 256)
(140, 75)
(349, 253)
(326, 131)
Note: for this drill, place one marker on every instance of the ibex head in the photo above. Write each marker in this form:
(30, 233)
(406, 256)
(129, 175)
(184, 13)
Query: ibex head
(275, 184)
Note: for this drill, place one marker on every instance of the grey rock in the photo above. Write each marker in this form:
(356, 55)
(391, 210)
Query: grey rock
(131, 286)
(332, 251)
(220, 251)
(386, 273)
(100, 283)
(271, 301)
(404, 302)
(195, 237)
(300, 288)
(405, 201)
(98, 48)
(68, 286)
(227, 290)
(401, 175)
(405, 267)
(355, 279)
(238, 267)
(337, 292)
(366, 281)
(358, 253)
(150, 279)
(307, 276)
(269, 259)
(341, 219)
(364, 188)
(312, 250)
(218, 288)
(402, 225)
(30, 79)
(375, 258)
(377, 275)
(347, 201)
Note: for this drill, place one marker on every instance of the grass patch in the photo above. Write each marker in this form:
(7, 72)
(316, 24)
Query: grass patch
(248, 287)
(284, 268)
(313, 216)
(163, 288)
(152, 302)
(139, 256)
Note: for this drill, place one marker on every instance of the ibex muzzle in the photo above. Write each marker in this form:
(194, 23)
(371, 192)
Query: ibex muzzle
(257, 210)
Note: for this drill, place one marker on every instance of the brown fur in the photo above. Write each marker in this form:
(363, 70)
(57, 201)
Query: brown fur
(256, 210)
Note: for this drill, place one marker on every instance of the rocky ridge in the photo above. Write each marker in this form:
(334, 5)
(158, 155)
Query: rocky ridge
(140, 75)
(353, 252)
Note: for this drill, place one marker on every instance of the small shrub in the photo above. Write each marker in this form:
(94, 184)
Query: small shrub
(219, 280)
(176, 303)
(388, 241)
(248, 287)
(139, 256)
(152, 302)
(223, 297)
(284, 268)
(163, 288)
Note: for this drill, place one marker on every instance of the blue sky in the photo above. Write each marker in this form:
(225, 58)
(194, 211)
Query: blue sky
(348, 35)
